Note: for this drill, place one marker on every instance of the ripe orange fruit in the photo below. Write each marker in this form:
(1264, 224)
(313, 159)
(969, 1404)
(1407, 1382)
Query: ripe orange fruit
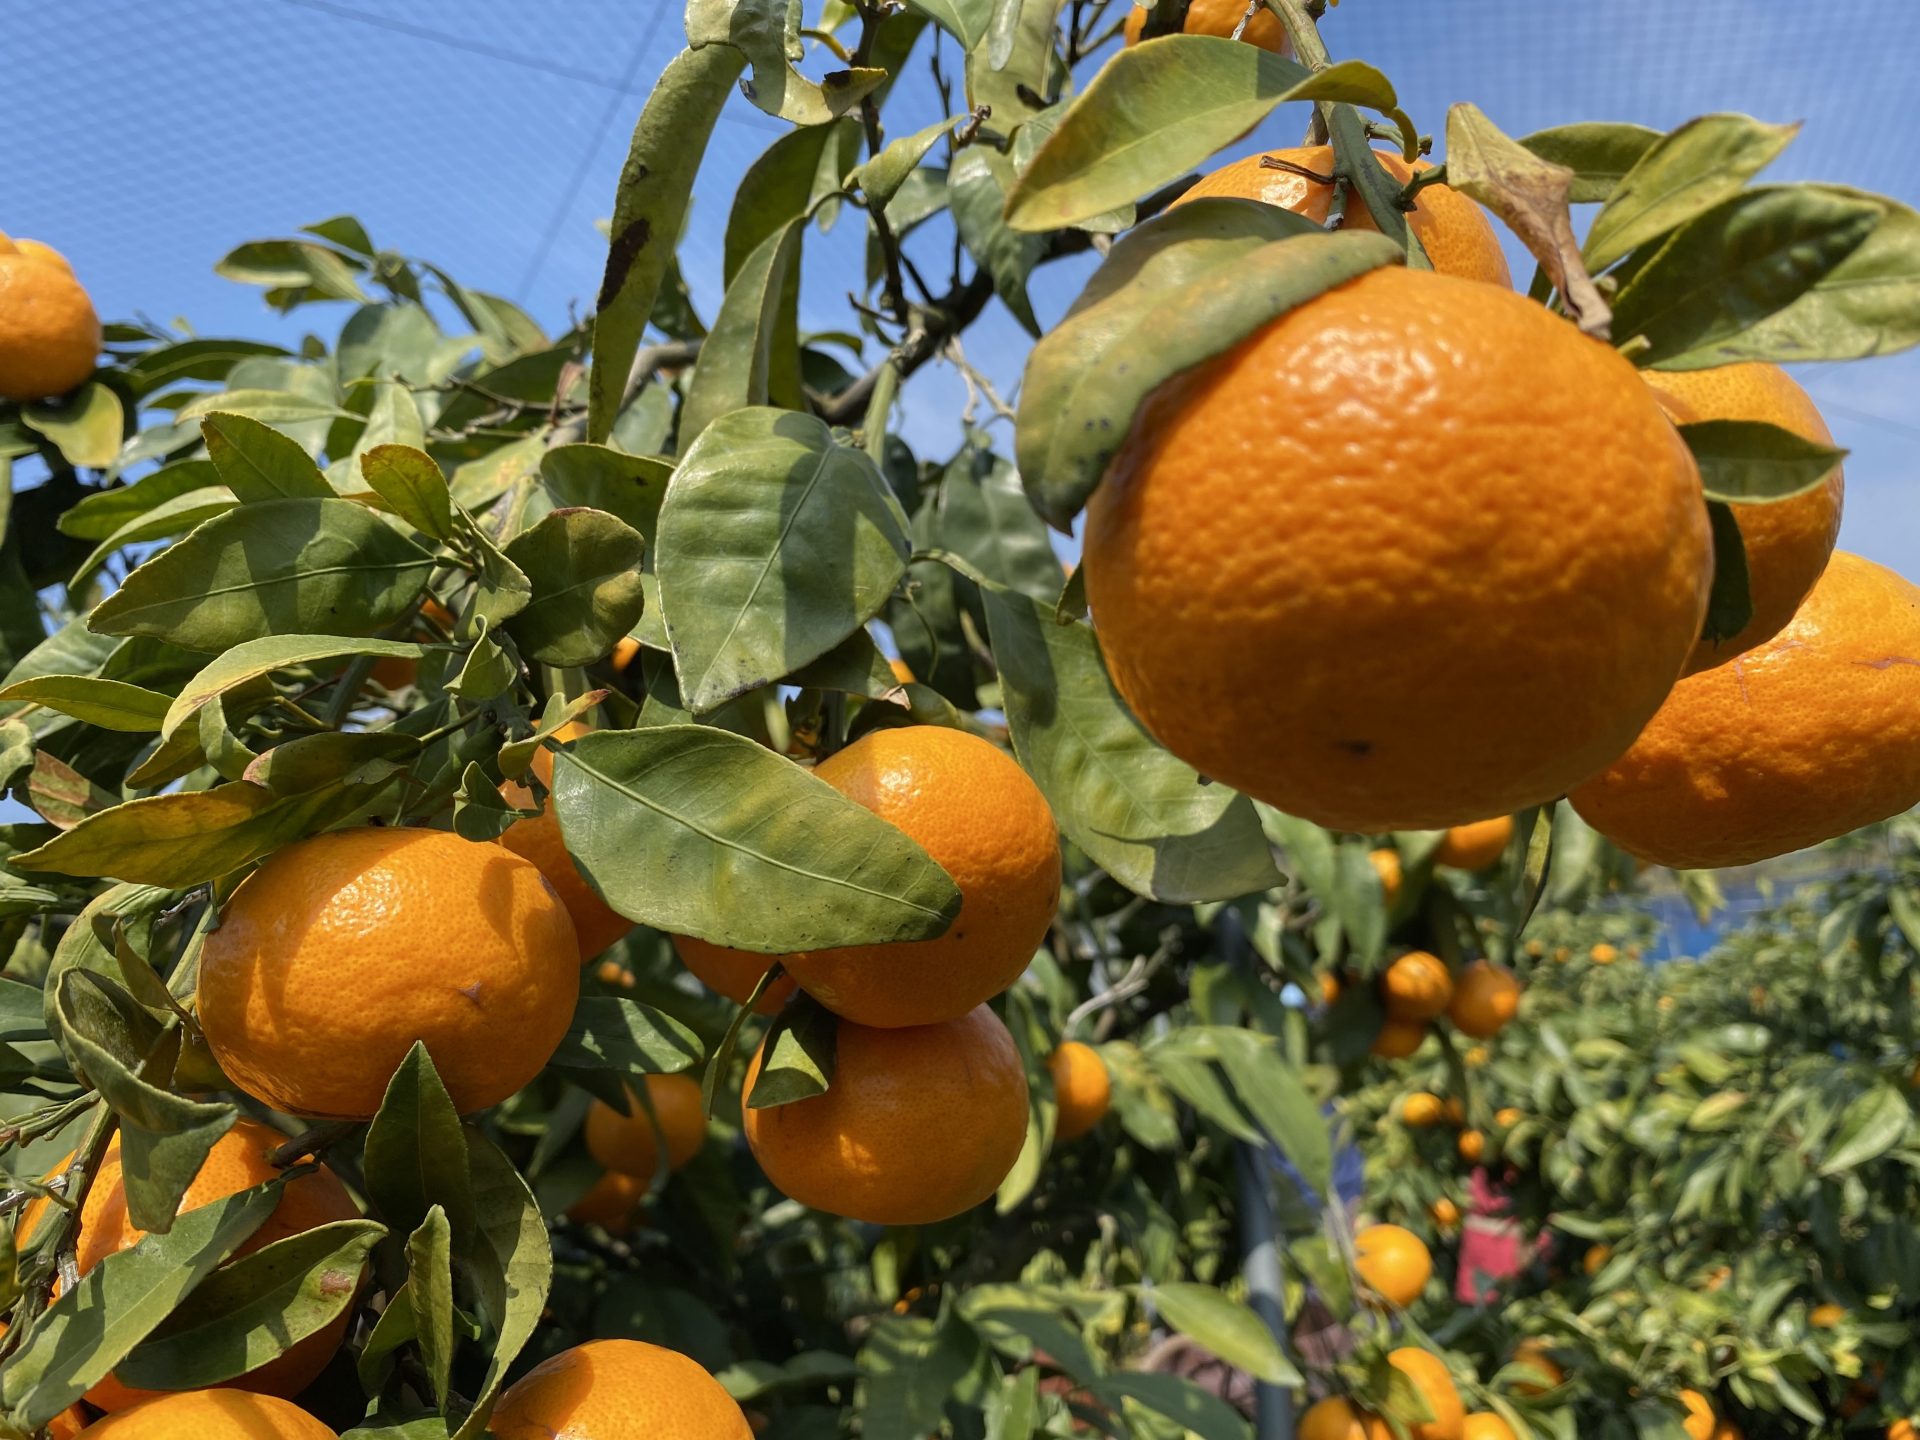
(1421, 1109)
(1456, 1110)
(1787, 541)
(238, 1161)
(49, 334)
(1081, 1087)
(1330, 992)
(1826, 1317)
(1700, 1420)
(1486, 997)
(333, 958)
(1536, 1355)
(1472, 1145)
(27, 1225)
(1901, 1430)
(1475, 846)
(1603, 954)
(1475, 1057)
(1293, 570)
(1218, 17)
(1417, 986)
(624, 651)
(1386, 864)
(596, 924)
(1338, 1418)
(1393, 1263)
(1485, 1425)
(1431, 1378)
(1452, 228)
(1508, 1116)
(1444, 1213)
(975, 811)
(1596, 1258)
(734, 973)
(612, 1389)
(919, 1124)
(630, 1144)
(615, 1203)
(1810, 735)
(1398, 1038)
(210, 1415)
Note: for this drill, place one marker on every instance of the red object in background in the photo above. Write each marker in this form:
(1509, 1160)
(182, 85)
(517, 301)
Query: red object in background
(1492, 1246)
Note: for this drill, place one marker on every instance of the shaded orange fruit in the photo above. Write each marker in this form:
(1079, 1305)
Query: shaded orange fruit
(614, 1389)
(1826, 1317)
(596, 924)
(1475, 846)
(238, 1161)
(211, 1415)
(1456, 1110)
(1081, 1087)
(1471, 1145)
(919, 1124)
(1452, 228)
(1700, 1421)
(1901, 1430)
(1398, 1039)
(734, 973)
(1603, 954)
(615, 1203)
(1536, 1356)
(1421, 1109)
(1444, 1213)
(1302, 569)
(1417, 986)
(1788, 541)
(1810, 735)
(974, 810)
(49, 334)
(624, 651)
(337, 955)
(1386, 864)
(1507, 1117)
(1338, 1418)
(1485, 1425)
(1486, 997)
(1431, 1378)
(630, 1144)
(1596, 1258)
(1219, 17)
(1393, 1263)
(1330, 992)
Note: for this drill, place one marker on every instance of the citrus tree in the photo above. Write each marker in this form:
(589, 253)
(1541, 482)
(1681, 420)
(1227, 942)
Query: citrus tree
(576, 884)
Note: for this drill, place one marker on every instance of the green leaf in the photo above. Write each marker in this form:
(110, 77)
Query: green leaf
(584, 566)
(193, 360)
(430, 1296)
(1152, 113)
(257, 462)
(1203, 1413)
(1179, 290)
(1227, 1328)
(1741, 262)
(1015, 70)
(166, 519)
(110, 704)
(737, 355)
(986, 518)
(799, 1054)
(257, 659)
(416, 1151)
(1875, 1122)
(94, 1325)
(1748, 461)
(978, 182)
(511, 1269)
(883, 175)
(255, 1309)
(766, 32)
(411, 486)
(649, 209)
(269, 407)
(1140, 813)
(776, 543)
(296, 271)
(1600, 154)
(696, 831)
(965, 20)
(613, 1033)
(271, 568)
(601, 478)
(85, 427)
(1679, 177)
(102, 512)
(1730, 603)
(308, 762)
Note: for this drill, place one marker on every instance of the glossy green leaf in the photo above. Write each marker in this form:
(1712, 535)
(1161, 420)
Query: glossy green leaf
(776, 543)
(986, 519)
(784, 184)
(1749, 461)
(613, 1033)
(978, 182)
(1682, 175)
(99, 514)
(174, 516)
(430, 1297)
(269, 407)
(882, 176)
(1599, 153)
(510, 1267)
(411, 486)
(965, 20)
(256, 659)
(110, 704)
(257, 462)
(797, 1055)
(584, 566)
(1015, 68)
(766, 33)
(85, 427)
(737, 356)
(598, 477)
(308, 762)
(1226, 1327)
(1875, 1122)
(296, 270)
(696, 831)
(416, 1151)
(1201, 1412)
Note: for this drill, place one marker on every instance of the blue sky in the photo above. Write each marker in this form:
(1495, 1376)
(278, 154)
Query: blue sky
(487, 135)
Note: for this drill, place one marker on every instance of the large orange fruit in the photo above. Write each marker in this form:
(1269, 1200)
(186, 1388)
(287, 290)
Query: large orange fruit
(1809, 735)
(1415, 553)
(1338, 1418)
(1393, 1263)
(630, 1144)
(1485, 997)
(1787, 541)
(49, 334)
(596, 924)
(1081, 1087)
(919, 1124)
(618, 1390)
(734, 973)
(210, 1415)
(1485, 1425)
(1218, 17)
(238, 1161)
(1475, 846)
(1454, 231)
(1434, 1381)
(338, 954)
(1417, 986)
(973, 809)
